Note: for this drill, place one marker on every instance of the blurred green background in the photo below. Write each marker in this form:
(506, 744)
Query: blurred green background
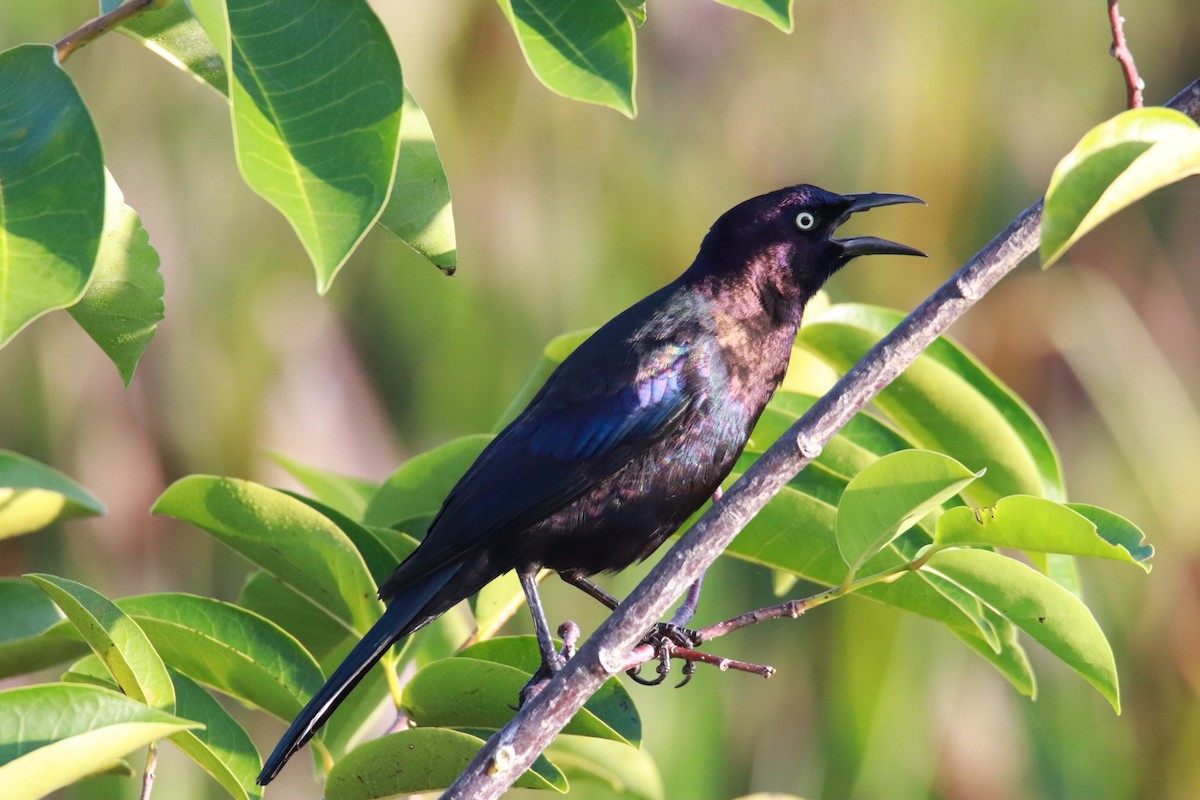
(567, 213)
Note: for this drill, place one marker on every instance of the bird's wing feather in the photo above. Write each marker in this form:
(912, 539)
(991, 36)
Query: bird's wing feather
(580, 428)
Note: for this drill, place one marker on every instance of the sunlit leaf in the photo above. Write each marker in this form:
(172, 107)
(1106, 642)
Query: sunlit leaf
(222, 747)
(316, 96)
(315, 628)
(52, 189)
(115, 638)
(890, 496)
(581, 49)
(284, 536)
(419, 760)
(51, 735)
(347, 494)
(618, 770)
(1036, 524)
(123, 303)
(1117, 163)
(1038, 606)
(776, 12)
(177, 36)
(33, 496)
(947, 401)
(418, 211)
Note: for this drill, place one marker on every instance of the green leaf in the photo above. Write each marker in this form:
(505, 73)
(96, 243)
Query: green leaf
(776, 12)
(29, 613)
(418, 211)
(347, 494)
(947, 401)
(316, 95)
(1117, 163)
(1038, 606)
(360, 715)
(52, 191)
(375, 554)
(420, 485)
(284, 536)
(1039, 525)
(636, 9)
(123, 303)
(890, 496)
(418, 760)
(314, 628)
(581, 49)
(1116, 530)
(437, 696)
(617, 770)
(33, 496)
(177, 36)
(222, 748)
(496, 603)
(115, 638)
(52, 735)
(230, 649)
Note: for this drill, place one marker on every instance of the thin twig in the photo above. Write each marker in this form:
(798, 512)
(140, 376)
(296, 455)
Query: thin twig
(645, 653)
(791, 609)
(148, 775)
(510, 752)
(1120, 51)
(67, 45)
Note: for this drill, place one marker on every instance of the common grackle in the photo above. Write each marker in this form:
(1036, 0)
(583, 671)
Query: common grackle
(630, 435)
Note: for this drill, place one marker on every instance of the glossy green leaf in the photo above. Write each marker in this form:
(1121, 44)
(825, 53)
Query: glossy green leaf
(375, 554)
(890, 496)
(947, 401)
(51, 735)
(1039, 525)
(177, 36)
(1038, 606)
(1118, 531)
(123, 303)
(418, 211)
(1009, 659)
(314, 628)
(230, 649)
(222, 747)
(361, 715)
(437, 696)
(1117, 163)
(418, 760)
(615, 769)
(33, 496)
(636, 9)
(52, 192)
(421, 484)
(284, 536)
(316, 95)
(347, 494)
(581, 49)
(496, 603)
(776, 12)
(115, 638)
(28, 614)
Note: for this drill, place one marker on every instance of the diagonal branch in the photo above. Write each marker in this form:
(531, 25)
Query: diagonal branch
(510, 752)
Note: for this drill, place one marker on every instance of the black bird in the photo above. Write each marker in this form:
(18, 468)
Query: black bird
(630, 435)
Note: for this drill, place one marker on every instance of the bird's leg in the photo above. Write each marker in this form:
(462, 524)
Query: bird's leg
(588, 587)
(552, 660)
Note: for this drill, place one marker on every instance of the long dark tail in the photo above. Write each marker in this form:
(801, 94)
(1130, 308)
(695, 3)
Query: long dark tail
(406, 613)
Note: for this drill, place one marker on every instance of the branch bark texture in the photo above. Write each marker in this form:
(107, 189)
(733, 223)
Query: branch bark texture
(512, 749)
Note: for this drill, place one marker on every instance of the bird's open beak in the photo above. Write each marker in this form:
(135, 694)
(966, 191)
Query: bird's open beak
(871, 245)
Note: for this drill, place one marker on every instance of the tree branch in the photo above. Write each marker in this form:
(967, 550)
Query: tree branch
(512, 749)
(1120, 51)
(67, 45)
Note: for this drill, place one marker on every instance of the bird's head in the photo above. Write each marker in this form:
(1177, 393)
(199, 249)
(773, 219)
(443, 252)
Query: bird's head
(789, 234)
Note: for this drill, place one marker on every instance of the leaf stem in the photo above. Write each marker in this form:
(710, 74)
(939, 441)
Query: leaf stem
(67, 45)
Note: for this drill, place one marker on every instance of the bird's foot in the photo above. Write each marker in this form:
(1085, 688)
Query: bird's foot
(667, 639)
(551, 662)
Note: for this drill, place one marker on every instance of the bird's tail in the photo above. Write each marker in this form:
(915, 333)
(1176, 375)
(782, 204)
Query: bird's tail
(407, 612)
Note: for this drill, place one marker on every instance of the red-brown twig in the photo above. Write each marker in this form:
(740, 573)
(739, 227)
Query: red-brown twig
(1120, 51)
(791, 609)
(67, 45)
(645, 653)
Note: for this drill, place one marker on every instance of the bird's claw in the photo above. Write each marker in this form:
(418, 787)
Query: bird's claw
(664, 639)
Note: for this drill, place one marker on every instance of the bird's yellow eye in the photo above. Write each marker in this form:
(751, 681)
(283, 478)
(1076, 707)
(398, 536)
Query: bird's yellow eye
(805, 221)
